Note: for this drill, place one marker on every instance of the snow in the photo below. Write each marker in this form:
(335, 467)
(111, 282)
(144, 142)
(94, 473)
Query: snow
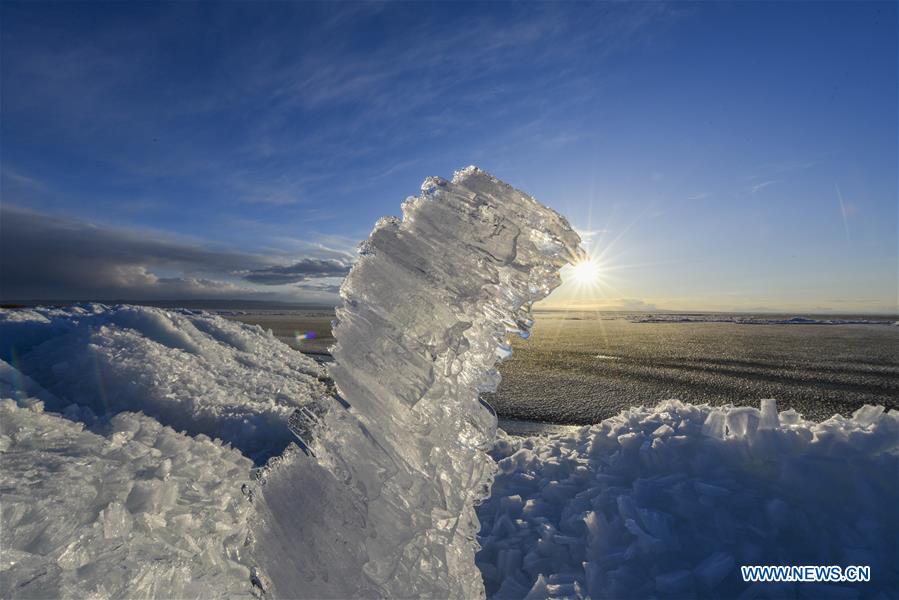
(129, 437)
(670, 500)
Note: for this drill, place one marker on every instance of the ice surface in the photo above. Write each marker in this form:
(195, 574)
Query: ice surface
(669, 501)
(138, 511)
(426, 314)
(190, 370)
(752, 319)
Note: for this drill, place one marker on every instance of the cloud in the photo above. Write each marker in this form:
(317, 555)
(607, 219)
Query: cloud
(51, 257)
(18, 179)
(302, 270)
(760, 186)
(782, 168)
(315, 107)
(321, 287)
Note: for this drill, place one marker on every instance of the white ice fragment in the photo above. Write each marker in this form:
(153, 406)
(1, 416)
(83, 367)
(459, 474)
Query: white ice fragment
(116, 520)
(713, 426)
(769, 418)
(742, 421)
(868, 414)
(663, 431)
(511, 589)
(789, 417)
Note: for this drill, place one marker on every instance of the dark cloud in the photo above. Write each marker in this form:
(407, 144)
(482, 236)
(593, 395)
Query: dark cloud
(317, 286)
(51, 257)
(302, 270)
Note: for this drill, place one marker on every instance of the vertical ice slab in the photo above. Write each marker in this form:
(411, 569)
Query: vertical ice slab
(426, 313)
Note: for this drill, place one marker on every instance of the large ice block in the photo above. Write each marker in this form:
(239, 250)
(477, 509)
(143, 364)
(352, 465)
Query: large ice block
(391, 483)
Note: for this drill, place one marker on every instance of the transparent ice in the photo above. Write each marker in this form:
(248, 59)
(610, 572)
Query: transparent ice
(426, 313)
(668, 501)
(133, 510)
(192, 371)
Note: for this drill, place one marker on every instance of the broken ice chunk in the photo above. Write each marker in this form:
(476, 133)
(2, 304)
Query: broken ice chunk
(714, 569)
(714, 424)
(116, 520)
(742, 421)
(662, 431)
(867, 414)
(769, 415)
(674, 582)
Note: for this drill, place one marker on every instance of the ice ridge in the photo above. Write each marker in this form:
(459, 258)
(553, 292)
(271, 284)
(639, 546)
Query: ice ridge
(426, 314)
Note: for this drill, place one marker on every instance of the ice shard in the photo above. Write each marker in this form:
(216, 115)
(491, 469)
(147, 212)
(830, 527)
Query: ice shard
(382, 500)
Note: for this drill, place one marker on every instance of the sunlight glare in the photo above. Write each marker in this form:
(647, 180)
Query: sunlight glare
(585, 272)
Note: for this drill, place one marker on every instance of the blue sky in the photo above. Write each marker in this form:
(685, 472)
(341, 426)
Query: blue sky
(729, 156)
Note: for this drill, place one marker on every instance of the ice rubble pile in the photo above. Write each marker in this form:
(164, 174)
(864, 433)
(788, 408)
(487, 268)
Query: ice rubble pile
(134, 511)
(192, 371)
(672, 500)
(100, 501)
(427, 311)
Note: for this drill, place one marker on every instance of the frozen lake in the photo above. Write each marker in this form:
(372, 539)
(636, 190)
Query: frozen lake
(580, 368)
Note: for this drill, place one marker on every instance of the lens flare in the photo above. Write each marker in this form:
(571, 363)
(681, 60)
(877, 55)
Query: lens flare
(586, 272)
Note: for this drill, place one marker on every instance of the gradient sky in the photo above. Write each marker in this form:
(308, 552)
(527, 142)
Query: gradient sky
(727, 156)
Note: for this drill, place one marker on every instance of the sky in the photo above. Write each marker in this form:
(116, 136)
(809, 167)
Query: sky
(714, 156)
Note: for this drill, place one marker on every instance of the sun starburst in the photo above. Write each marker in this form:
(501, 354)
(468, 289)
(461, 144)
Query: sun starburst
(587, 272)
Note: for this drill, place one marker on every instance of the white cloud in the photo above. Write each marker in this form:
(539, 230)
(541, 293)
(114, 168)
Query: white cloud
(760, 186)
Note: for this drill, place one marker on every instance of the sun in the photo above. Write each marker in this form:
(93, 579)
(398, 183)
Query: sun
(586, 272)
